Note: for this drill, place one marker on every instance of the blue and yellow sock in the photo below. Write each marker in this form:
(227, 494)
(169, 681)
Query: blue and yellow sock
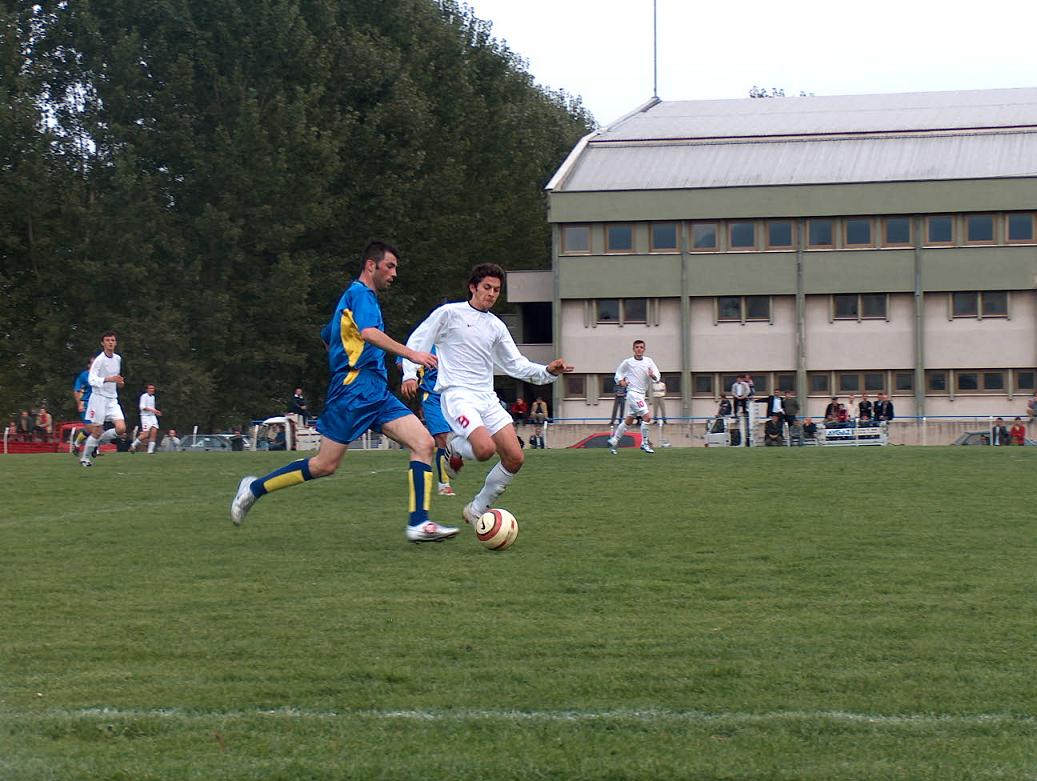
(442, 476)
(289, 474)
(420, 483)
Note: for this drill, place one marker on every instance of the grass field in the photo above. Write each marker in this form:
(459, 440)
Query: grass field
(698, 614)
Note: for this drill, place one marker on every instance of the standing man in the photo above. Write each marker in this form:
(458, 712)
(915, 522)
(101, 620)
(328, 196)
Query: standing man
(359, 399)
(470, 340)
(299, 407)
(447, 464)
(636, 374)
(81, 393)
(105, 380)
(148, 420)
(883, 410)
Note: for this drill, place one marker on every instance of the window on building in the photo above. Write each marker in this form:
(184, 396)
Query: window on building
(608, 310)
(936, 381)
(635, 310)
(874, 381)
(619, 238)
(820, 233)
(574, 386)
(903, 381)
(741, 235)
(704, 236)
(780, 234)
(606, 384)
(785, 381)
(1024, 380)
(863, 306)
(672, 381)
(858, 232)
(848, 382)
(664, 236)
(757, 307)
(761, 384)
(819, 383)
(988, 303)
(939, 230)
(626, 310)
(702, 385)
(897, 231)
(1020, 228)
(979, 381)
(741, 309)
(979, 229)
(726, 381)
(576, 239)
(729, 308)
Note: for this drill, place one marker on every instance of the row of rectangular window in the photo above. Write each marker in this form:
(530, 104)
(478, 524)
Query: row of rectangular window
(834, 383)
(844, 306)
(941, 230)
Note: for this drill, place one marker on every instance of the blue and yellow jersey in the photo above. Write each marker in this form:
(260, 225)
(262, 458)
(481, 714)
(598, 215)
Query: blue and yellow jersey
(82, 384)
(427, 377)
(348, 354)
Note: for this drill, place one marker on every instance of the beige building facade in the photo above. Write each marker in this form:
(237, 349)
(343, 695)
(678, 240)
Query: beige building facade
(830, 246)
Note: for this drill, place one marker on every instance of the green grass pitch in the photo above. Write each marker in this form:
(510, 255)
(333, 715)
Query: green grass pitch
(696, 614)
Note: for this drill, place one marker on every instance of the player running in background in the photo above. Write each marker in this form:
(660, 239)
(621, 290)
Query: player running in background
(148, 420)
(417, 378)
(359, 399)
(81, 393)
(470, 340)
(105, 380)
(636, 374)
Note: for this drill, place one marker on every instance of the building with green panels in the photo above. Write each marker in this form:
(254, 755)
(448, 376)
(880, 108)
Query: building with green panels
(828, 245)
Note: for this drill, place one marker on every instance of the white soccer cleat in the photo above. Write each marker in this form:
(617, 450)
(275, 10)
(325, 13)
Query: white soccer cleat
(612, 445)
(243, 500)
(446, 490)
(646, 447)
(430, 531)
(85, 462)
(469, 515)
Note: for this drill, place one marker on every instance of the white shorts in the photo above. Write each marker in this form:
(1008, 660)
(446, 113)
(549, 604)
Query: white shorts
(101, 408)
(148, 422)
(466, 411)
(636, 405)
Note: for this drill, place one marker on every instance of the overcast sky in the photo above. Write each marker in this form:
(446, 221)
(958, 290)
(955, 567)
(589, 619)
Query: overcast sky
(601, 50)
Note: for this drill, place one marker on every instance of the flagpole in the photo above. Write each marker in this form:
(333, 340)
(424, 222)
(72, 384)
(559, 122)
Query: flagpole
(655, 49)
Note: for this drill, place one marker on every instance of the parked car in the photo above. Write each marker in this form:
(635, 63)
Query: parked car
(630, 439)
(198, 443)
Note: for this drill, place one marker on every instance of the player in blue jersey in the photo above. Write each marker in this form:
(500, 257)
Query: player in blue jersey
(81, 393)
(359, 399)
(417, 378)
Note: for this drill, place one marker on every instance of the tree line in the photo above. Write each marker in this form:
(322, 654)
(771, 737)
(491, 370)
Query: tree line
(200, 176)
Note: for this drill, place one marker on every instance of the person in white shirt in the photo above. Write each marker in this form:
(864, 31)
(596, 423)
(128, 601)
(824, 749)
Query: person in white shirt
(469, 341)
(636, 374)
(105, 380)
(148, 420)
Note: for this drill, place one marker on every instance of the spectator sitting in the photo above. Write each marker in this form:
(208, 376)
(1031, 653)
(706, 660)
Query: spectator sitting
(12, 430)
(276, 437)
(44, 425)
(538, 417)
(865, 410)
(25, 426)
(809, 430)
(842, 416)
(1018, 432)
(772, 431)
(237, 442)
(519, 410)
(832, 410)
(171, 441)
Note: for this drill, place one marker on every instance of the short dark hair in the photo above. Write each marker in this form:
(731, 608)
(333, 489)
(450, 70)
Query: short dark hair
(483, 270)
(376, 251)
(638, 341)
(109, 333)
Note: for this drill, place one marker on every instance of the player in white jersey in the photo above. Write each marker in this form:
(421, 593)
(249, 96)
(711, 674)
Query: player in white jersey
(469, 341)
(148, 420)
(636, 374)
(105, 380)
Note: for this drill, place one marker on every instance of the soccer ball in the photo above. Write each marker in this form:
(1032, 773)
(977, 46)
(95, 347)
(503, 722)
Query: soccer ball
(496, 529)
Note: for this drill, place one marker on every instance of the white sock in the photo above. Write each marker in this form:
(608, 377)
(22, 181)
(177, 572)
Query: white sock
(134, 444)
(108, 436)
(151, 446)
(621, 429)
(462, 447)
(88, 448)
(644, 430)
(497, 480)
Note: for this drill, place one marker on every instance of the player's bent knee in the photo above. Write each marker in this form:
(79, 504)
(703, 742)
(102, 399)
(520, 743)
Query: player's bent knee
(513, 463)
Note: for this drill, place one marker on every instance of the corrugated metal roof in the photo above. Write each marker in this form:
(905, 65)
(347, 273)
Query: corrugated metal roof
(810, 140)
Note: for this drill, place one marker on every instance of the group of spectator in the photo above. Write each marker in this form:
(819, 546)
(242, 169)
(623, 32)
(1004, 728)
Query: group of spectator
(535, 416)
(865, 413)
(1000, 434)
(31, 426)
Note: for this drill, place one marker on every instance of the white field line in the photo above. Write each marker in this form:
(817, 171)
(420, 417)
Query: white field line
(462, 715)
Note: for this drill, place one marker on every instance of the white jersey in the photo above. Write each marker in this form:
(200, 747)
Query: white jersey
(639, 374)
(102, 367)
(469, 343)
(147, 408)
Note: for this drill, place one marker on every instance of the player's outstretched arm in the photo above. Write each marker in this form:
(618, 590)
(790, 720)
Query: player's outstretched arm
(385, 342)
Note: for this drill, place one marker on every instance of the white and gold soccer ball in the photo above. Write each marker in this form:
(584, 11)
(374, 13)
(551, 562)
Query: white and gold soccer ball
(497, 529)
